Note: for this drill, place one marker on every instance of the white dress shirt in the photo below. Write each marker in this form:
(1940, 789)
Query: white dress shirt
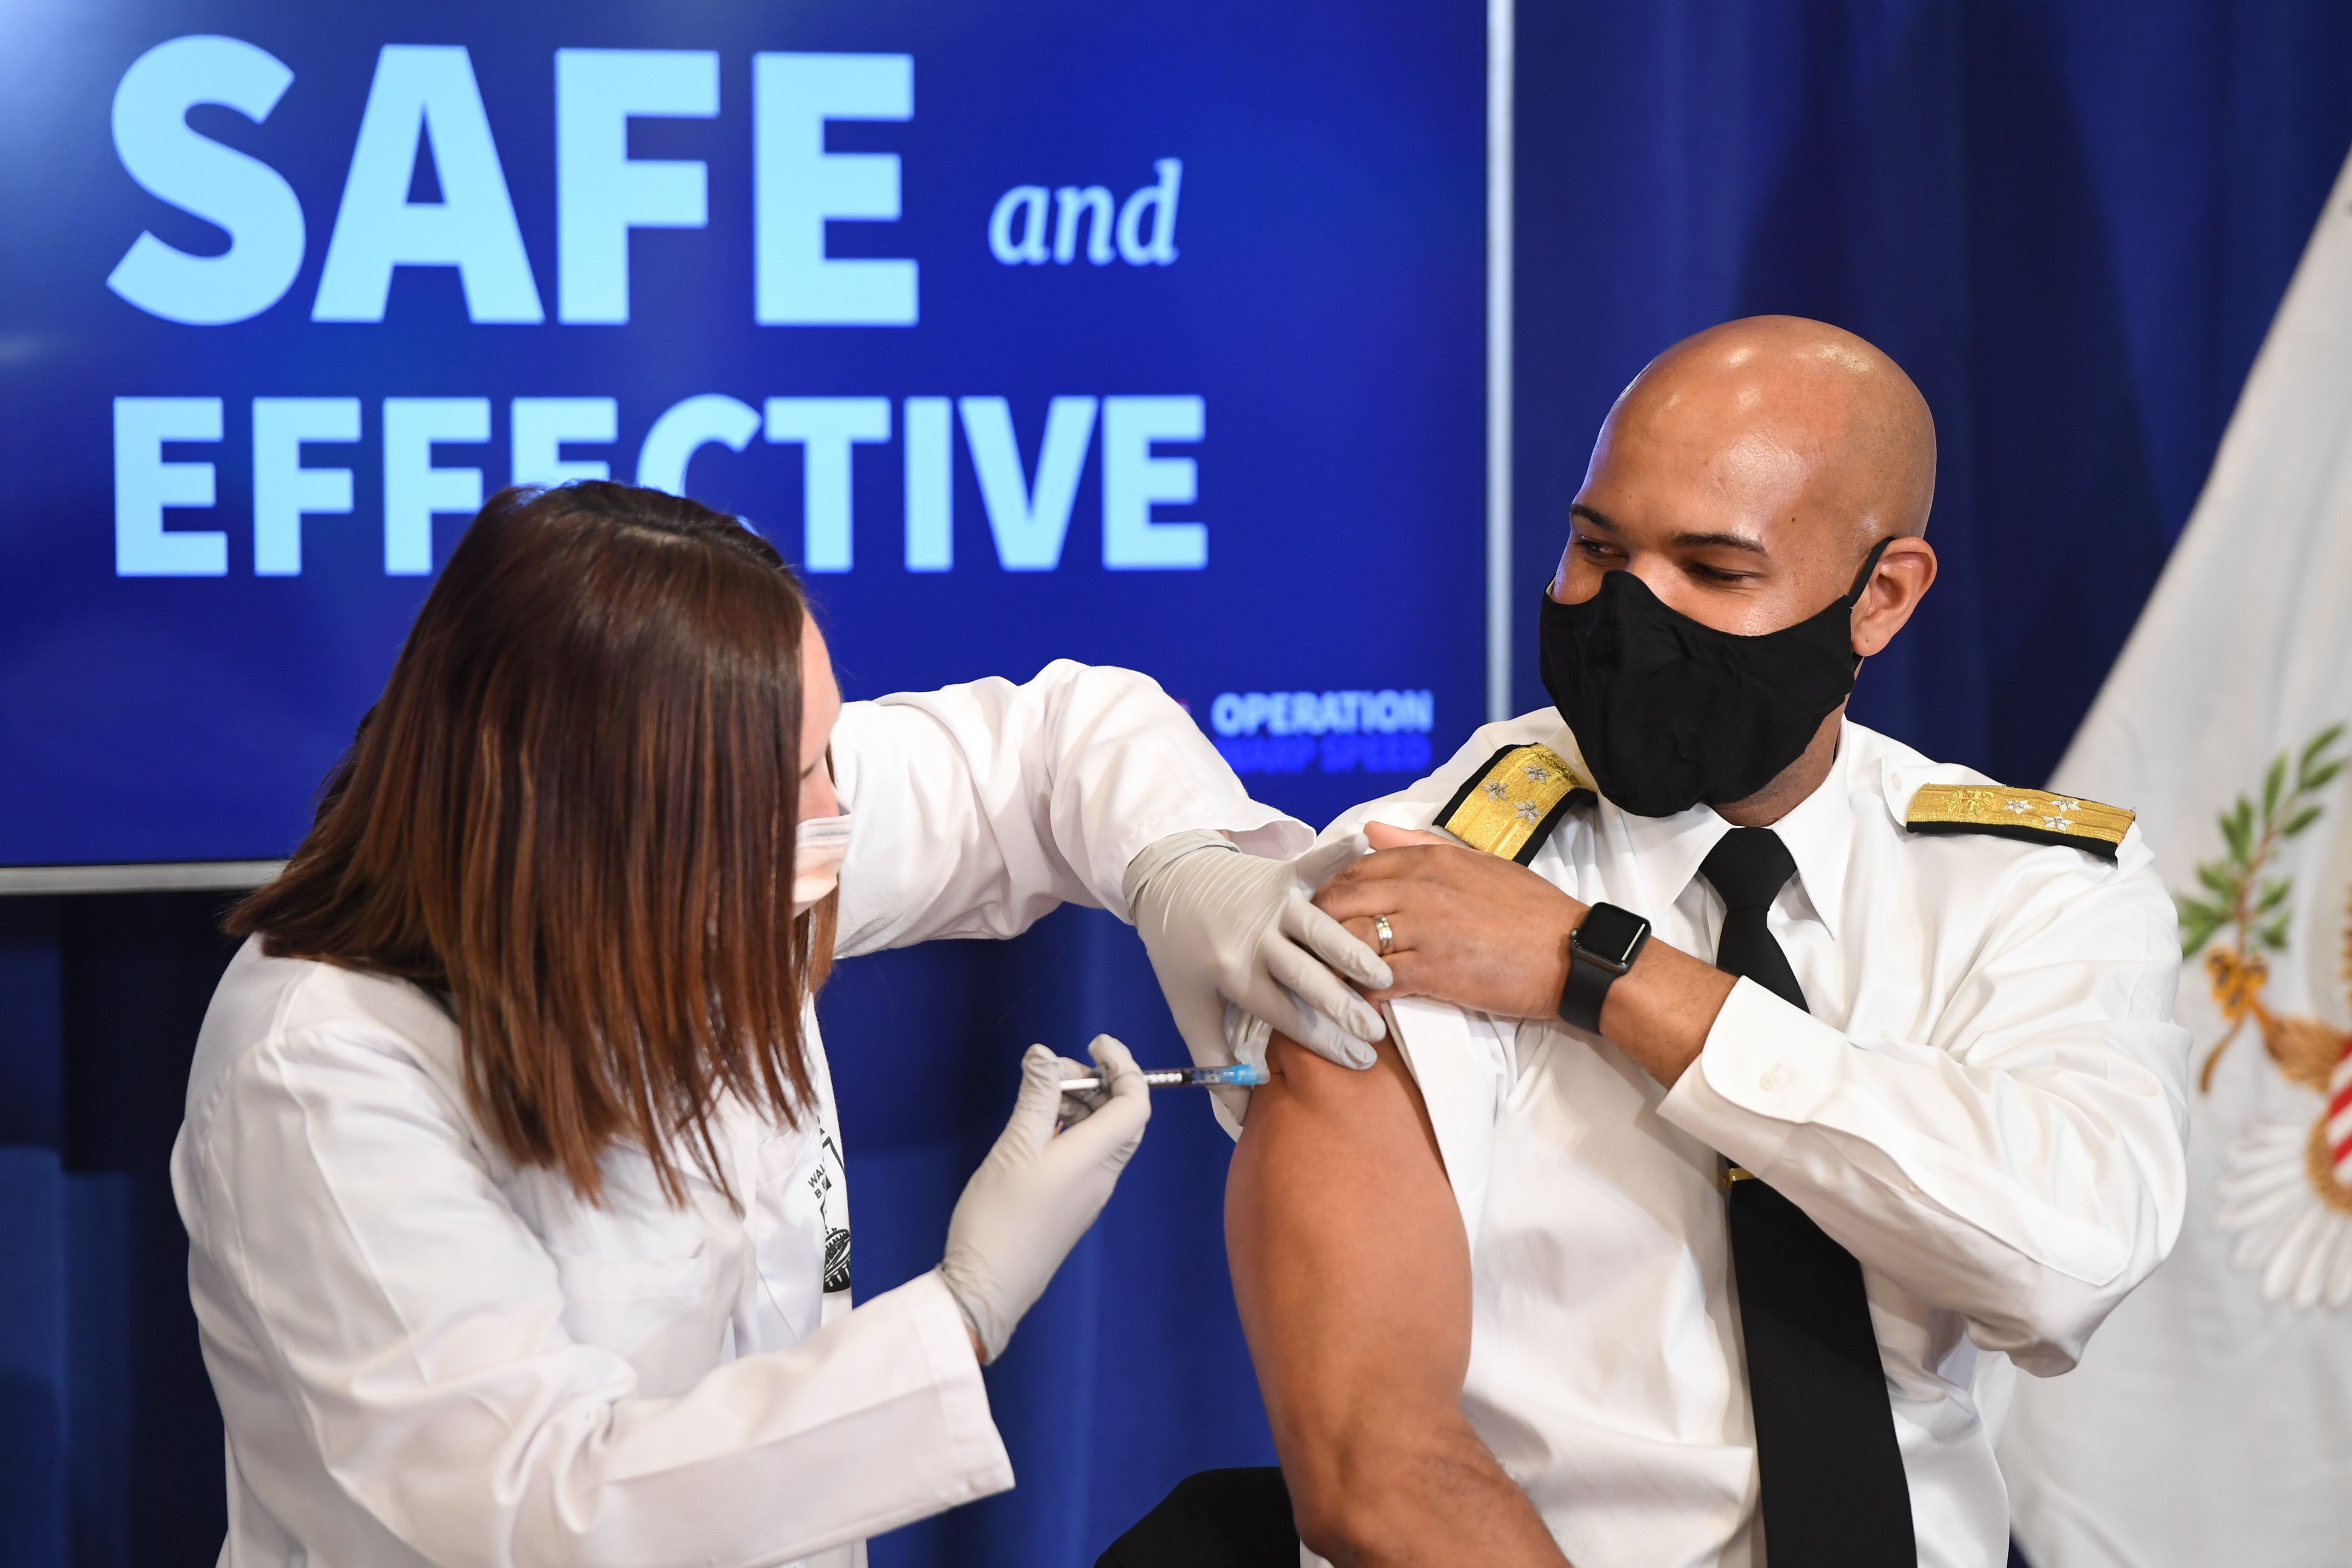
(426, 1355)
(1985, 1105)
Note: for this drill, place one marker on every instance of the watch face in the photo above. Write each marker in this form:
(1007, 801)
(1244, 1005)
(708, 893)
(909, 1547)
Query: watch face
(1612, 934)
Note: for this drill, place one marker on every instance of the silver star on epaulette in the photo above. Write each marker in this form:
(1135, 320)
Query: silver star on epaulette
(1493, 789)
(1537, 772)
(2056, 824)
(2019, 808)
(1528, 813)
(2065, 805)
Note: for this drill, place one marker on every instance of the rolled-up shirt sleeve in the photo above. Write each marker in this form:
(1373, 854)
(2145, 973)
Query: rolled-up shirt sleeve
(979, 808)
(2025, 1167)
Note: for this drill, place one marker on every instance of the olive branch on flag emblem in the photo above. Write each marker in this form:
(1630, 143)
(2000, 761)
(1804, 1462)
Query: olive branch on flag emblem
(2244, 898)
(2286, 1188)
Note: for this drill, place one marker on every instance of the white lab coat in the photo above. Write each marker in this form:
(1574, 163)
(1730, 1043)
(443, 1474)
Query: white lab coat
(1984, 1104)
(423, 1353)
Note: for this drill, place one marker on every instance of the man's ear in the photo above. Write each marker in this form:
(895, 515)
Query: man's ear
(1905, 571)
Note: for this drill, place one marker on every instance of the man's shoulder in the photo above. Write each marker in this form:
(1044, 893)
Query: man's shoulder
(1924, 799)
(1542, 728)
(1986, 871)
(1509, 802)
(1423, 803)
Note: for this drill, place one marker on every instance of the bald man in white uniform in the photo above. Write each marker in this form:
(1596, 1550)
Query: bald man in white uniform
(1779, 1090)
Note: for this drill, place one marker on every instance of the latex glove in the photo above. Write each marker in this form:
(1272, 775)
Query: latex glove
(1220, 926)
(1038, 1190)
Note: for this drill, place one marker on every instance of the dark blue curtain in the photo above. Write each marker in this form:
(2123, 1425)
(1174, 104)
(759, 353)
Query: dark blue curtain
(110, 1442)
(2071, 222)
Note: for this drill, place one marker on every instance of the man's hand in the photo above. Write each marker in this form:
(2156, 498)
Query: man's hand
(1475, 929)
(1486, 934)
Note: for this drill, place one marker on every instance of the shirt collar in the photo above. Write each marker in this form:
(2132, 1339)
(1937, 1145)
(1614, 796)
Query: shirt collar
(1656, 857)
(1818, 832)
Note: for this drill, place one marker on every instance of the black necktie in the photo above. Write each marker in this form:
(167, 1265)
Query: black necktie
(1834, 1492)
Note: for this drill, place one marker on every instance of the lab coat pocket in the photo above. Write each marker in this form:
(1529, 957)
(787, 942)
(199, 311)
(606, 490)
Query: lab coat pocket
(617, 1279)
(653, 1311)
(800, 1229)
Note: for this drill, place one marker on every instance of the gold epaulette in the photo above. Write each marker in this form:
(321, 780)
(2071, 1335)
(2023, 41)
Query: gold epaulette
(1509, 807)
(2035, 815)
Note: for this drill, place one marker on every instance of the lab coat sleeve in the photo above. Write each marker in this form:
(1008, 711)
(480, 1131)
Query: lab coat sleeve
(978, 808)
(416, 1325)
(2026, 1167)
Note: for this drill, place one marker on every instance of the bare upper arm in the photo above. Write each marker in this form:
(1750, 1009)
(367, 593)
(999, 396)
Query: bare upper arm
(1353, 1277)
(1348, 1259)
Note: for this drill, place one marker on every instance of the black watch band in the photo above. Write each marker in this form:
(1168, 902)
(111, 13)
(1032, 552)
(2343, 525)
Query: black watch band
(1599, 951)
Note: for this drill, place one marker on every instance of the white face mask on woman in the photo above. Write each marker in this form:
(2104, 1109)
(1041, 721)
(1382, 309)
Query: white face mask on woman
(819, 847)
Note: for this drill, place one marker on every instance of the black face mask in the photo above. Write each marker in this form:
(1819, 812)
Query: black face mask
(1669, 714)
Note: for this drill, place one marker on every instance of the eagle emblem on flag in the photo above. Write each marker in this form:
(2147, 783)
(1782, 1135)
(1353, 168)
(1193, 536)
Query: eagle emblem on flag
(2286, 1186)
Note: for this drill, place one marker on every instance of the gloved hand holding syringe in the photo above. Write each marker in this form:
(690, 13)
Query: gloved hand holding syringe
(1048, 1176)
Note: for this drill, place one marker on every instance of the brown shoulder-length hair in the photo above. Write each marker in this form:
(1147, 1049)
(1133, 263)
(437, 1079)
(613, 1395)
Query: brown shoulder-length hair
(571, 815)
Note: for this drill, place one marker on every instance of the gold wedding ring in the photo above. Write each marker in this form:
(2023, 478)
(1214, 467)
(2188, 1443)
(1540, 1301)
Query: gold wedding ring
(1382, 929)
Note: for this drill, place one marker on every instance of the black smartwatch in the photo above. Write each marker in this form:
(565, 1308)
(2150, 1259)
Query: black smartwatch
(1599, 951)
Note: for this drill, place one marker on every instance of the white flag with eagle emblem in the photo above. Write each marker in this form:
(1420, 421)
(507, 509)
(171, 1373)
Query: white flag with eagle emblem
(2210, 1421)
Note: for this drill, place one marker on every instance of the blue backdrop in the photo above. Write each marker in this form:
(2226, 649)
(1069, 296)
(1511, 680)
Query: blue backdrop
(2071, 222)
(1027, 330)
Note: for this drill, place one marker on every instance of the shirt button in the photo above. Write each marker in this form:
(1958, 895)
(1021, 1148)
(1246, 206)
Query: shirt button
(1773, 1079)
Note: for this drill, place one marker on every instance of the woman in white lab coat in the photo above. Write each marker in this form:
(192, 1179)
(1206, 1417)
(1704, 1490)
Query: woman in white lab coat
(510, 1168)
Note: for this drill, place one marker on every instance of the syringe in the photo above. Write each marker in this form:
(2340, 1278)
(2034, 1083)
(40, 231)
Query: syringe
(1244, 1075)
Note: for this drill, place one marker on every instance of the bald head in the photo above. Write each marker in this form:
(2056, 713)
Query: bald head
(1745, 474)
(1799, 411)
